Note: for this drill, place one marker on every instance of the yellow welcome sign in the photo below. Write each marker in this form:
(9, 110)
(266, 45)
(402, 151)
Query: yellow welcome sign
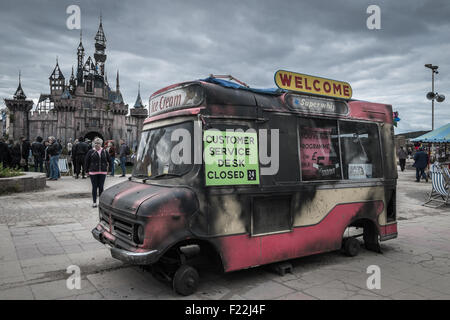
(313, 85)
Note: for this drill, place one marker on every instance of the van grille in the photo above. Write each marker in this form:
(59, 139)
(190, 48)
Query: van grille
(118, 226)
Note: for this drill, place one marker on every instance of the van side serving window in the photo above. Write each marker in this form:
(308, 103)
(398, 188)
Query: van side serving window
(319, 149)
(360, 148)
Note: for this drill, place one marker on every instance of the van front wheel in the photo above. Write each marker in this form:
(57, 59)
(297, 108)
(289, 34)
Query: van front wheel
(351, 247)
(185, 281)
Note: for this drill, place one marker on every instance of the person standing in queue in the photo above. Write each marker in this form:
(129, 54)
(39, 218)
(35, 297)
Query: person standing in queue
(421, 162)
(123, 152)
(112, 155)
(4, 153)
(38, 151)
(25, 153)
(79, 151)
(97, 161)
(47, 158)
(16, 155)
(402, 155)
(53, 150)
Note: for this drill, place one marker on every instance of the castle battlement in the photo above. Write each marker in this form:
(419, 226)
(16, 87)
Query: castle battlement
(42, 116)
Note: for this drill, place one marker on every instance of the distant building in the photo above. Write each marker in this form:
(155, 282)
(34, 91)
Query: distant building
(85, 105)
(404, 139)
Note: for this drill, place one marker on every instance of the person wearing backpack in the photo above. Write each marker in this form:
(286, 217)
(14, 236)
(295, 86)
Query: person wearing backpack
(124, 151)
(97, 161)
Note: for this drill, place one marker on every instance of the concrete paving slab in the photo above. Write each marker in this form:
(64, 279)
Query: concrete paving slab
(17, 293)
(123, 277)
(266, 290)
(86, 296)
(297, 296)
(8, 254)
(10, 269)
(58, 289)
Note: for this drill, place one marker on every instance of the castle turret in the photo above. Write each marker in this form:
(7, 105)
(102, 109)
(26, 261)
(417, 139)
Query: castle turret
(139, 110)
(19, 108)
(56, 80)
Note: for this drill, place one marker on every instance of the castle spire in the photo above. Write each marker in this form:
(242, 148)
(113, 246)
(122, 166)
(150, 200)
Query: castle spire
(80, 60)
(138, 103)
(20, 95)
(100, 46)
(117, 81)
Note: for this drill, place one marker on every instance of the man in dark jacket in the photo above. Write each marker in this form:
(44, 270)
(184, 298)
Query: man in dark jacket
(420, 163)
(14, 151)
(25, 152)
(4, 153)
(79, 152)
(38, 151)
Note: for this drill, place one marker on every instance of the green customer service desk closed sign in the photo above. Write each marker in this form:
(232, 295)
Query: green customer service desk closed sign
(231, 158)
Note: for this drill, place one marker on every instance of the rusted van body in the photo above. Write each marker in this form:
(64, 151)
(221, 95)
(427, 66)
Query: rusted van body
(336, 170)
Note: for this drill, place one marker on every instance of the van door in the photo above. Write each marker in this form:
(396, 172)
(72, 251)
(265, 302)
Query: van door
(231, 174)
(272, 211)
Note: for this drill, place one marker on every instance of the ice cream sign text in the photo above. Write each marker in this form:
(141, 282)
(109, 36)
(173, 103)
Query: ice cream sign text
(181, 97)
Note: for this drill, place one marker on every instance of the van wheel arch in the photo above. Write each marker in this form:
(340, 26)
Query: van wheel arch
(207, 249)
(370, 233)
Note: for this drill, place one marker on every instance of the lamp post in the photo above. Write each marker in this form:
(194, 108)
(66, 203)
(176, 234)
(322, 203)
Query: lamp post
(432, 95)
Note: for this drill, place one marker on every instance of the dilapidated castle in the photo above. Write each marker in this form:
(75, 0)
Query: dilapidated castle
(85, 105)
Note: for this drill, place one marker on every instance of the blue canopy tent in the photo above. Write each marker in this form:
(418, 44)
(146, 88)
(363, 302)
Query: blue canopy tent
(440, 135)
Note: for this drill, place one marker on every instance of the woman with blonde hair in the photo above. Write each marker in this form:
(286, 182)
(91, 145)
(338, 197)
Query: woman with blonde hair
(96, 162)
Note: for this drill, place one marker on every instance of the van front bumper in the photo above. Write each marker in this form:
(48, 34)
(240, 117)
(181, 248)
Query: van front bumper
(136, 258)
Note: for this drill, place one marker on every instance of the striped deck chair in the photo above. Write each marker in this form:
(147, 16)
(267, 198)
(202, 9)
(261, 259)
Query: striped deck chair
(63, 166)
(446, 174)
(440, 192)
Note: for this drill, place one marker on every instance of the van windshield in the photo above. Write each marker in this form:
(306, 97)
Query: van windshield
(156, 156)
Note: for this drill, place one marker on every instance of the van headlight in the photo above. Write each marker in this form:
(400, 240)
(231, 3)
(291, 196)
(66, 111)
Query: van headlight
(140, 234)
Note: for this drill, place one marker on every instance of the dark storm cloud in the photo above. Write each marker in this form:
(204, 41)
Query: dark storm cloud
(163, 42)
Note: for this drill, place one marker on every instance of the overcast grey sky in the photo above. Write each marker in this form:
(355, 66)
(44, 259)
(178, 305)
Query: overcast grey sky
(163, 42)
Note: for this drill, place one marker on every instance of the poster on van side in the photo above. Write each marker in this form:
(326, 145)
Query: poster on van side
(315, 149)
(359, 170)
(231, 158)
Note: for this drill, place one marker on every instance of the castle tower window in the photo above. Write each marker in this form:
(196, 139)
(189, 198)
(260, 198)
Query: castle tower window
(89, 87)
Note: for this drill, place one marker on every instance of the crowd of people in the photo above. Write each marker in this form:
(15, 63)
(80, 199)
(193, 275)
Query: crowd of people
(95, 159)
(19, 154)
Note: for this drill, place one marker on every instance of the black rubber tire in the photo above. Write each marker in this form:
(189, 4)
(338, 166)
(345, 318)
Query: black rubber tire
(185, 281)
(351, 247)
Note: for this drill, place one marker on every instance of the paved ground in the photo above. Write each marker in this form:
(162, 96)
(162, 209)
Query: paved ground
(42, 233)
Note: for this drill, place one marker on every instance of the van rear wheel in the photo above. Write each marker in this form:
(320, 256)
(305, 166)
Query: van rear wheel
(185, 281)
(351, 247)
